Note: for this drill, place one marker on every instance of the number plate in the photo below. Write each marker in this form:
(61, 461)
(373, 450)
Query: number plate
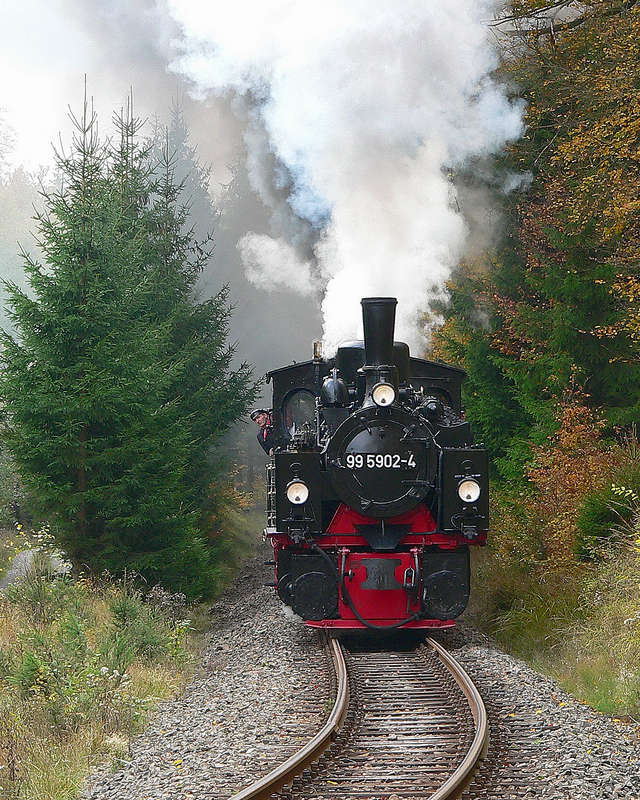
(380, 461)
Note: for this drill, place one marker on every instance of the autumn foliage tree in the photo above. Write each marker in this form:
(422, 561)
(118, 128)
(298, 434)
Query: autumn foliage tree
(547, 322)
(557, 302)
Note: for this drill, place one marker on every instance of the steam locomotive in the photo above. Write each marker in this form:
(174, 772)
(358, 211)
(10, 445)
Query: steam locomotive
(377, 490)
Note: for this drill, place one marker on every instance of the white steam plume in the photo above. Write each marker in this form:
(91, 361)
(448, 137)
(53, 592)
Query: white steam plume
(273, 263)
(366, 104)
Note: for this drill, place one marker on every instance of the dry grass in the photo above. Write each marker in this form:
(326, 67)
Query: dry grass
(599, 658)
(559, 582)
(581, 627)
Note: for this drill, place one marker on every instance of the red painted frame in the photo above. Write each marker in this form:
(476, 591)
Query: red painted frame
(342, 533)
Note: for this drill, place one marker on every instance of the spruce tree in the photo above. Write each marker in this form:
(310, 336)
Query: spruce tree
(118, 380)
(212, 393)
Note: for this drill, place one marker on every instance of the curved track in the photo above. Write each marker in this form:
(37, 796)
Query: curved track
(406, 722)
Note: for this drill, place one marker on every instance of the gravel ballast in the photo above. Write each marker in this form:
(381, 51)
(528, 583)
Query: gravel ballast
(544, 743)
(263, 690)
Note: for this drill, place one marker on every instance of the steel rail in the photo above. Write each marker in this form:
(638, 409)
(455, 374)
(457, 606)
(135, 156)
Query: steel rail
(287, 771)
(453, 787)
(456, 783)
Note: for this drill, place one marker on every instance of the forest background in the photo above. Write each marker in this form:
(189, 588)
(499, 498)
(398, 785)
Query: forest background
(547, 324)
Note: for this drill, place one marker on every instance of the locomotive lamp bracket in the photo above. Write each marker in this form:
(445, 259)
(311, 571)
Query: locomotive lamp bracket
(299, 535)
(409, 578)
(301, 520)
(467, 522)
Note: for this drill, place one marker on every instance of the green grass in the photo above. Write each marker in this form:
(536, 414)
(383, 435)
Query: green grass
(83, 662)
(582, 629)
(595, 681)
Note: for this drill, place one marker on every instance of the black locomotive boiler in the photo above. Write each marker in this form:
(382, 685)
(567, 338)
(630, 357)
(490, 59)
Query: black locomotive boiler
(376, 491)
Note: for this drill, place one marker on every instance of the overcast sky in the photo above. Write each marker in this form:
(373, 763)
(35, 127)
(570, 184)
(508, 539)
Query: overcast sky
(48, 46)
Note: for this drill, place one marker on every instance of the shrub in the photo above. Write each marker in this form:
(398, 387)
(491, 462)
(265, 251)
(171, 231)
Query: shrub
(596, 518)
(81, 662)
(612, 509)
(43, 599)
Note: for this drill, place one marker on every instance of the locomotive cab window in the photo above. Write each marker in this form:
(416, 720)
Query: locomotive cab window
(299, 407)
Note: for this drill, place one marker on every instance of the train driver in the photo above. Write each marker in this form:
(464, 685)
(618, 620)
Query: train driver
(266, 435)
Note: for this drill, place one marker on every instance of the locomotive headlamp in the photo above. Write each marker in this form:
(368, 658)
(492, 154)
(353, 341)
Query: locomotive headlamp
(383, 394)
(469, 490)
(297, 492)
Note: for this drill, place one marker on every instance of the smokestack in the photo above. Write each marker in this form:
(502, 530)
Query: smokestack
(379, 319)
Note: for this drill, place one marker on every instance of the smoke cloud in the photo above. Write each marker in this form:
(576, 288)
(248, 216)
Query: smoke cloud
(47, 49)
(354, 114)
(273, 262)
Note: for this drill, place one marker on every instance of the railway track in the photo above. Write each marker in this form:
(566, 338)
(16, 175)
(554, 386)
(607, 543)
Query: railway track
(406, 722)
